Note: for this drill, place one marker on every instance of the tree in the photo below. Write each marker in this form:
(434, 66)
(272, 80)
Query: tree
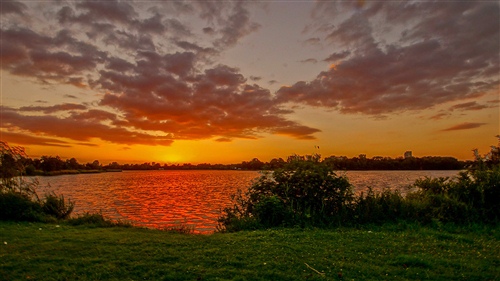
(51, 163)
(12, 170)
(72, 164)
(94, 165)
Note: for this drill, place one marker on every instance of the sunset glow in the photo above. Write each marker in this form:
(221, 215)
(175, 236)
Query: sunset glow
(229, 81)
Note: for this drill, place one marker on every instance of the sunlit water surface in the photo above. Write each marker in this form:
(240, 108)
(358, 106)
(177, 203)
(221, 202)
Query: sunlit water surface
(162, 199)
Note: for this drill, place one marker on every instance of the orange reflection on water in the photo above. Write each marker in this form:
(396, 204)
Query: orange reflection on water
(158, 199)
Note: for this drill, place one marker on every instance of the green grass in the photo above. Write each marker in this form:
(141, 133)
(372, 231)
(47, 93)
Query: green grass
(37, 251)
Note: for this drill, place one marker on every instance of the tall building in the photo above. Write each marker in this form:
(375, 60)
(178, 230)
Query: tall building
(408, 154)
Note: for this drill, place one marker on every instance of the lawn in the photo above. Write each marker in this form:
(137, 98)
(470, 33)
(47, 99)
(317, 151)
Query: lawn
(37, 251)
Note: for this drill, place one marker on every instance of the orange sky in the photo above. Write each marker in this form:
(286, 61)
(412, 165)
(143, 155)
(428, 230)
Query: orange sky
(224, 82)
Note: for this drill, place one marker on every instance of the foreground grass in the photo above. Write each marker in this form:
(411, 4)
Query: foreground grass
(394, 252)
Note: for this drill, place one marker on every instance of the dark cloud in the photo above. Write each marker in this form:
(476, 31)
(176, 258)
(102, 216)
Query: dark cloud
(337, 56)
(12, 7)
(468, 106)
(464, 126)
(310, 60)
(236, 26)
(313, 41)
(439, 116)
(54, 108)
(200, 51)
(111, 10)
(153, 24)
(59, 58)
(208, 30)
(445, 52)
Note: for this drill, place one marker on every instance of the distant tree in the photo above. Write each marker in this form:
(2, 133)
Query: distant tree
(50, 163)
(94, 165)
(276, 163)
(72, 164)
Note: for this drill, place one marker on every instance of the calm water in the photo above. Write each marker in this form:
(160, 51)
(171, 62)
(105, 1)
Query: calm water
(161, 199)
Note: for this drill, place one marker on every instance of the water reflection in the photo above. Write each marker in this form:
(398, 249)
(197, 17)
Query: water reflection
(162, 199)
(154, 198)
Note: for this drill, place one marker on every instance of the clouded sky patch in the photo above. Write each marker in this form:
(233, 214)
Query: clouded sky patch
(464, 126)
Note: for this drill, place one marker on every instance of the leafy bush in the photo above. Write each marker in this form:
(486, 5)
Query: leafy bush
(378, 207)
(57, 207)
(271, 211)
(18, 207)
(303, 192)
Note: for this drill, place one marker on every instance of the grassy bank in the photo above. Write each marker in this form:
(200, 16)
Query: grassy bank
(39, 251)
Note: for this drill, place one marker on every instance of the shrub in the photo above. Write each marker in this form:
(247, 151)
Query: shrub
(57, 207)
(17, 207)
(303, 192)
(378, 207)
(270, 211)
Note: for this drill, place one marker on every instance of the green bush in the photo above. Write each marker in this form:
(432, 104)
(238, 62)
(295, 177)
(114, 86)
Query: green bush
(271, 211)
(378, 207)
(57, 207)
(17, 207)
(304, 192)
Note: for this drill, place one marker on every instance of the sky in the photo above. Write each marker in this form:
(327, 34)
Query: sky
(228, 81)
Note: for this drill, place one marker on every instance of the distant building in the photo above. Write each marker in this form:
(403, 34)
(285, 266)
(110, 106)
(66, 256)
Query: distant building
(408, 154)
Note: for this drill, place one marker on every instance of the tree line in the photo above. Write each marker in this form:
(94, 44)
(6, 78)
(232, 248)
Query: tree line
(48, 164)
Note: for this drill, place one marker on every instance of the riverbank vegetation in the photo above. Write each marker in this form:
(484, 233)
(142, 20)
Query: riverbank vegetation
(306, 192)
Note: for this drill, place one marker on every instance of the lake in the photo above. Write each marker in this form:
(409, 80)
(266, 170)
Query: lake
(161, 199)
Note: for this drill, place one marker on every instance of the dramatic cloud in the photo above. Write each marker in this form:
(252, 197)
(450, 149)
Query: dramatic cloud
(464, 126)
(158, 83)
(435, 53)
(156, 75)
(217, 102)
(76, 129)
